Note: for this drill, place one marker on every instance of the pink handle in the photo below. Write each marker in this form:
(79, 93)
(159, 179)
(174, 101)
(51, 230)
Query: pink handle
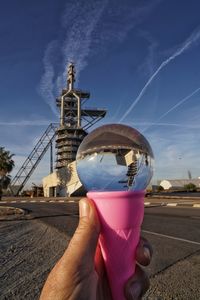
(121, 215)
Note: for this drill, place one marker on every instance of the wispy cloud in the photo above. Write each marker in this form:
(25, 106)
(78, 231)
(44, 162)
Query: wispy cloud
(78, 22)
(27, 123)
(149, 63)
(78, 40)
(89, 28)
(167, 124)
(47, 81)
(193, 38)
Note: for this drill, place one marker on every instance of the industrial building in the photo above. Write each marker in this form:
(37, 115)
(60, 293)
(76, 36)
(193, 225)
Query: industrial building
(177, 184)
(75, 120)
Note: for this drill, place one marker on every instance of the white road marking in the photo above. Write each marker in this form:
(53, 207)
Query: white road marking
(13, 201)
(71, 201)
(196, 205)
(52, 201)
(23, 201)
(42, 201)
(147, 203)
(171, 237)
(171, 204)
(32, 201)
(61, 201)
(3, 202)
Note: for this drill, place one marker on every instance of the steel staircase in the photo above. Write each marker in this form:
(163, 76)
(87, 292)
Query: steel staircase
(32, 161)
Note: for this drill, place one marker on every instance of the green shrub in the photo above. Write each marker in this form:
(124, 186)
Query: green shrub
(190, 187)
(160, 188)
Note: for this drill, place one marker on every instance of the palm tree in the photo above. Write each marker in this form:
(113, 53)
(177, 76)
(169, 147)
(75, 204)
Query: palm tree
(6, 166)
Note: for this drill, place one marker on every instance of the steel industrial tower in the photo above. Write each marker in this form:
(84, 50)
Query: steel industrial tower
(74, 120)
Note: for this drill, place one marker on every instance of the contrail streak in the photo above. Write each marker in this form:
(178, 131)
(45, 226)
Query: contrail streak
(178, 104)
(150, 124)
(149, 62)
(175, 106)
(185, 46)
(27, 123)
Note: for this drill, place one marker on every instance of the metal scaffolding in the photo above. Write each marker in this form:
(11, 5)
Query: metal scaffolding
(74, 120)
(26, 170)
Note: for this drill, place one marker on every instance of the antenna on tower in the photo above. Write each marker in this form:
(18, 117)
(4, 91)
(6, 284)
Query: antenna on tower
(71, 76)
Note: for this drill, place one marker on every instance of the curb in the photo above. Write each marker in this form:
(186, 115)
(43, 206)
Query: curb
(39, 201)
(195, 205)
(147, 204)
(173, 197)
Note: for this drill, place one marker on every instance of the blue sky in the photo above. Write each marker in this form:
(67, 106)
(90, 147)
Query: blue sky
(139, 59)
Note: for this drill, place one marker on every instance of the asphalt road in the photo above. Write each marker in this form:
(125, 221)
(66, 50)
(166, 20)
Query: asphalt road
(174, 233)
(175, 222)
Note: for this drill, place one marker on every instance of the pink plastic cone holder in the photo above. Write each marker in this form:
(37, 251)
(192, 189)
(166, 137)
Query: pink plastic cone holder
(121, 215)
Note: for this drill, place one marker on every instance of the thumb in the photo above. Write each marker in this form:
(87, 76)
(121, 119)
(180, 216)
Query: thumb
(82, 247)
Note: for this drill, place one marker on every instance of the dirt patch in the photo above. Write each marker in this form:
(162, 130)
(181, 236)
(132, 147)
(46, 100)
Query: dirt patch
(7, 211)
(11, 213)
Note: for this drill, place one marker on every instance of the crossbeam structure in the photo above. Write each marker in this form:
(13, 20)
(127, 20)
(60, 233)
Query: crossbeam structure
(75, 119)
(32, 161)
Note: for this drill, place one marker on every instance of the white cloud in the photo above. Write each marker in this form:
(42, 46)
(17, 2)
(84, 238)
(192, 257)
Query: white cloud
(88, 29)
(148, 65)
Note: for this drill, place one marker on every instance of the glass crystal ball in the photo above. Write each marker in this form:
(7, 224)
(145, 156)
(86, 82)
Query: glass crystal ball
(115, 157)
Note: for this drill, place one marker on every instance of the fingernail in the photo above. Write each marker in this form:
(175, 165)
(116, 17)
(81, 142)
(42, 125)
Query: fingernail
(84, 209)
(136, 290)
(147, 253)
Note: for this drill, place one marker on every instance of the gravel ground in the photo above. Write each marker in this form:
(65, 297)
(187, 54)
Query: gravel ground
(28, 250)
(178, 282)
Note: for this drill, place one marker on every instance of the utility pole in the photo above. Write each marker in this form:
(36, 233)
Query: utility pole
(51, 157)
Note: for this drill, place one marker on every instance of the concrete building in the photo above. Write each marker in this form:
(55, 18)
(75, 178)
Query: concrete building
(178, 183)
(62, 182)
(75, 120)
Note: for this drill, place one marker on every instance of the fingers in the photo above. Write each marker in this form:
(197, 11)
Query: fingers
(77, 263)
(104, 291)
(137, 285)
(83, 244)
(144, 252)
(99, 262)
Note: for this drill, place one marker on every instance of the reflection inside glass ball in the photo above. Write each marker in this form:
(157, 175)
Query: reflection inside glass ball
(115, 158)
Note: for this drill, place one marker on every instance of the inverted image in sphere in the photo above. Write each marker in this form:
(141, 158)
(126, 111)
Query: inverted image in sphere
(115, 157)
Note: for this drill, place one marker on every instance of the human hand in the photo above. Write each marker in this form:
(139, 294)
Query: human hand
(80, 273)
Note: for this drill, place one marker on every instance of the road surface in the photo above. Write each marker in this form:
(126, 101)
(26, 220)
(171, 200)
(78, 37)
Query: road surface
(173, 231)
